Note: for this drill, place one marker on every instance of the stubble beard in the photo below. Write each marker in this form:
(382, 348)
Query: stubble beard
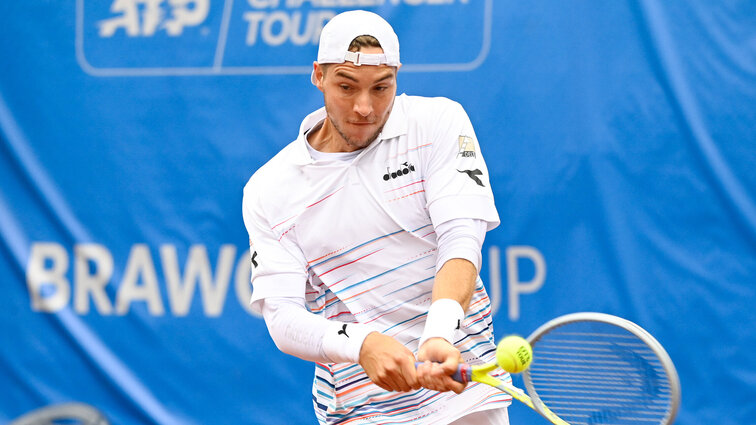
(354, 142)
(359, 143)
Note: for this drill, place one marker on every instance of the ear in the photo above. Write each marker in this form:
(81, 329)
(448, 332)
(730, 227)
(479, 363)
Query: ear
(317, 73)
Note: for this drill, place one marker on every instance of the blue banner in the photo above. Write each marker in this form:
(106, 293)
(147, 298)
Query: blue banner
(620, 138)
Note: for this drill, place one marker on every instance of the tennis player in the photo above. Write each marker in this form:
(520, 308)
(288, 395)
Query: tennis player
(365, 237)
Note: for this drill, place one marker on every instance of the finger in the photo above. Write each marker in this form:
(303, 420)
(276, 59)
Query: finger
(409, 374)
(400, 384)
(451, 363)
(422, 373)
(378, 380)
(433, 377)
(390, 384)
(384, 384)
(384, 379)
(425, 375)
(450, 367)
(427, 351)
(455, 386)
(403, 372)
(437, 377)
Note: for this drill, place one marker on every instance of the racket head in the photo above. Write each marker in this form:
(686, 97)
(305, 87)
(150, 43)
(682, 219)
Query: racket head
(595, 368)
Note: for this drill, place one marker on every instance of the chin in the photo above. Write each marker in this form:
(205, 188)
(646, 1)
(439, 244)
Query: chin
(360, 139)
(359, 144)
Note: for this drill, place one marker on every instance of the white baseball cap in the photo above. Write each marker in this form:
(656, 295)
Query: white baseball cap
(339, 32)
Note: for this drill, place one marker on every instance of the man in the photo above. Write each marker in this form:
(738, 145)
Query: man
(365, 235)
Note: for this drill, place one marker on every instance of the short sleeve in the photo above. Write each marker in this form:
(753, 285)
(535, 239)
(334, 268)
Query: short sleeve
(457, 180)
(277, 270)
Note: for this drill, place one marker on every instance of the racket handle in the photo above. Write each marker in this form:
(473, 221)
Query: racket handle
(463, 373)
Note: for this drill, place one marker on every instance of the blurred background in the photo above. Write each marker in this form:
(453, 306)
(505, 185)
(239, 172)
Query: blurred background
(620, 137)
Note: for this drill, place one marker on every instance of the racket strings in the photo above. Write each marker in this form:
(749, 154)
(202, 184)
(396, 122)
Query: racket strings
(593, 373)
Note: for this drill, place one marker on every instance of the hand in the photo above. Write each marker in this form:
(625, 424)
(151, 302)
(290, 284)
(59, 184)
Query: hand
(388, 363)
(440, 360)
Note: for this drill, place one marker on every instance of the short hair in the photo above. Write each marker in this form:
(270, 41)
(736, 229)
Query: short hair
(363, 41)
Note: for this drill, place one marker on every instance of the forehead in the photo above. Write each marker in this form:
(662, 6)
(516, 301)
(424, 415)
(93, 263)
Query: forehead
(364, 72)
(367, 72)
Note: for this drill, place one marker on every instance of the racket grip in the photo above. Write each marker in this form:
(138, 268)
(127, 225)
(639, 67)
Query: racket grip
(463, 373)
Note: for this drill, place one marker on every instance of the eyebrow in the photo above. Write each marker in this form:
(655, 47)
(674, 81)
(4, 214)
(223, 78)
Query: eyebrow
(342, 74)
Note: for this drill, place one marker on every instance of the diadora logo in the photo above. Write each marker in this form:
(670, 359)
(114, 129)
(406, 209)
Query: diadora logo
(473, 174)
(145, 17)
(404, 169)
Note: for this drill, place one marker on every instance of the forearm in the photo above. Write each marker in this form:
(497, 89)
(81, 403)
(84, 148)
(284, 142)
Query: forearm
(452, 291)
(459, 245)
(459, 258)
(296, 331)
(456, 281)
(302, 334)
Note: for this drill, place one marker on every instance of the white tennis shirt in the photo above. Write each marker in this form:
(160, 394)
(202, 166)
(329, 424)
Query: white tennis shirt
(357, 239)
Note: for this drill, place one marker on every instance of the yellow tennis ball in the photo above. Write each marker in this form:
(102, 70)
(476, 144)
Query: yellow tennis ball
(514, 354)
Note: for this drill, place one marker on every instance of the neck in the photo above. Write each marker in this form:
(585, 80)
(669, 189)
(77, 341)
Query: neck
(325, 138)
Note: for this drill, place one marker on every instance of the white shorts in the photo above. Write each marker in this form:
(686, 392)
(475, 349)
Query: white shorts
(486, 417)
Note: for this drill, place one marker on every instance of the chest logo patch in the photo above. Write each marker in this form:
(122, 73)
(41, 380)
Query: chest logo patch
(403, 170)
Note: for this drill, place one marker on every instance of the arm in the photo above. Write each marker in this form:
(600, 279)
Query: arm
(459, 196)
(391, 365)
(459, 244)
(456, 281)
(279, 275)
(297, 332)
(460, 241)
(300, 333)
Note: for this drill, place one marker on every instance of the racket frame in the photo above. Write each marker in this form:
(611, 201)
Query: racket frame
(642, 334)
(480, 373)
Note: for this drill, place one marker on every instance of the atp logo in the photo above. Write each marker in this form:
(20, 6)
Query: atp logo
(143, 18)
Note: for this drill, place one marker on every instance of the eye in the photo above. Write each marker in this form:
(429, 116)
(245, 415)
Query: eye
(345, 87)
(381, 88)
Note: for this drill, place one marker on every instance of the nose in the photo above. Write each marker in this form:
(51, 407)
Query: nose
(363, 105)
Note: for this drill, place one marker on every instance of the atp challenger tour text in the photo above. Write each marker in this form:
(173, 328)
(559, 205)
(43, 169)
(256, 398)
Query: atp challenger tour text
(275, 26)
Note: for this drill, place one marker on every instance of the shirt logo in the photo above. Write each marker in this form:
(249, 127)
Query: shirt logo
(473, 174)
(466, 147)
(403, 170)
(343, 331)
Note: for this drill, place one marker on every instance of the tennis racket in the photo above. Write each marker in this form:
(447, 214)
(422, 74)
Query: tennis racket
(593, 368)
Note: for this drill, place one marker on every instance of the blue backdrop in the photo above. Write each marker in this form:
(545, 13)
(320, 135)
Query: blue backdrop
(620, 135)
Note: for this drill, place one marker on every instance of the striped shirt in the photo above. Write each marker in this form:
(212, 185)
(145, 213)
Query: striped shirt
(357, 239)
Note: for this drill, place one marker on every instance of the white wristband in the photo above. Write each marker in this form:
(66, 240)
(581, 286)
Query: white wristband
(444, 318)
(342, 341)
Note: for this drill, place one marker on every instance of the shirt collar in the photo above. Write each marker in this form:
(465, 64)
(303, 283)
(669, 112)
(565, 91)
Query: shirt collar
(301, 153)
(395, 126)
